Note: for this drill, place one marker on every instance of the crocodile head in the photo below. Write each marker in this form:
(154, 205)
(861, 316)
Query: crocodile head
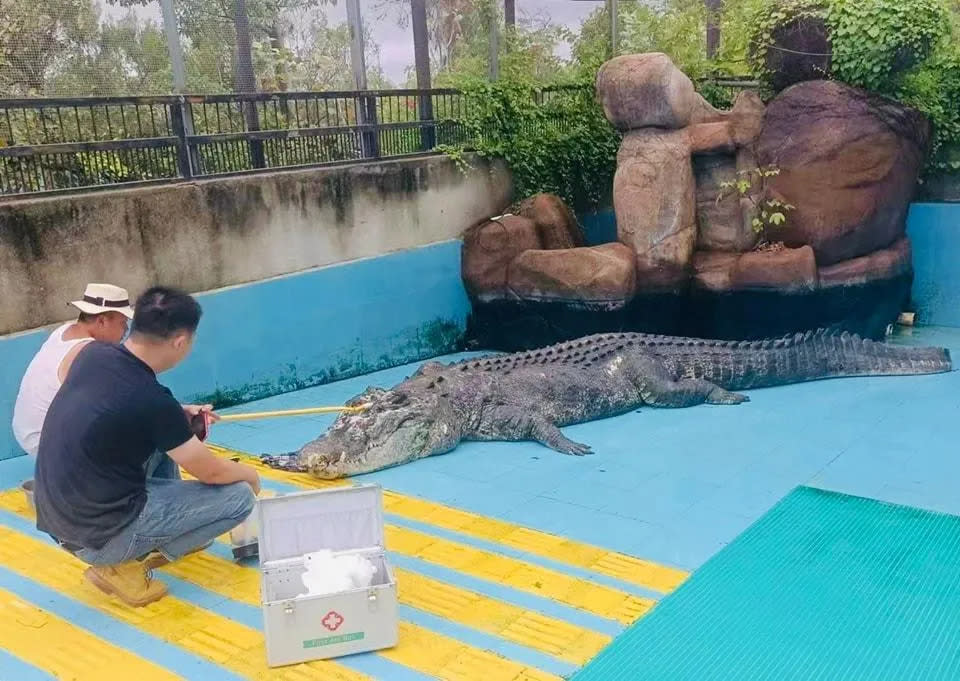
(409, 422)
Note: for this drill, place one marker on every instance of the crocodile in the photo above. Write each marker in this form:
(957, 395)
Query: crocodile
(531, 395)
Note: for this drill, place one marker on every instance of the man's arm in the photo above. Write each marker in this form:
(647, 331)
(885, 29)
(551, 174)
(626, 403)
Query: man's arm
(202, 464)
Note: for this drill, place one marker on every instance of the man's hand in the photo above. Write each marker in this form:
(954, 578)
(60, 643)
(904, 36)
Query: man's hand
(194, 457)
(194, 409)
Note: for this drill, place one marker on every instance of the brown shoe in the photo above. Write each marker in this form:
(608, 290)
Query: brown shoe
(130, 582)
(155, 559)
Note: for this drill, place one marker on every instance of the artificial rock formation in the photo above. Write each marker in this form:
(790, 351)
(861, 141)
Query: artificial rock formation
(541, 258)
(556, 223)
(658, 225)
(488, 250)
(849, 162)
(666, 124)
(688, 258)
(598, 276)
(646, 90)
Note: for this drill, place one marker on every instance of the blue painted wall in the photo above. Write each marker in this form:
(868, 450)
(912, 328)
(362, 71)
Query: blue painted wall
(934, 231)
(301, 330)
(599, 228)
(293, 332)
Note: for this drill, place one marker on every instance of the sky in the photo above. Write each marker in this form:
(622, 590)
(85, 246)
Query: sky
(396, 43)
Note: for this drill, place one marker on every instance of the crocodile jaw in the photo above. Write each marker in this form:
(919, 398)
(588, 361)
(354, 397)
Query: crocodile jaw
(393, 429)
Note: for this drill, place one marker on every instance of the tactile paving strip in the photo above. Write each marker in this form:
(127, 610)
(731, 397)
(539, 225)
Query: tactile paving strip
(621, 566)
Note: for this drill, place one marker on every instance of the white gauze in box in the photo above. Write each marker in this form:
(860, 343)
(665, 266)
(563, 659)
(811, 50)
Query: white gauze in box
(326, 573)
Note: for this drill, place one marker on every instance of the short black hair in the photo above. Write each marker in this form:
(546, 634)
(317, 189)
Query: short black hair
(162, 312)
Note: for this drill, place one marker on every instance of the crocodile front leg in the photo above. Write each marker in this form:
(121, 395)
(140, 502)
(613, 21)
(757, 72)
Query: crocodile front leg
(659, 388)
(514, 424)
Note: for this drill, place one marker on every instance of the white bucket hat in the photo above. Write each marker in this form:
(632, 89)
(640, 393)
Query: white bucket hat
(100, 298)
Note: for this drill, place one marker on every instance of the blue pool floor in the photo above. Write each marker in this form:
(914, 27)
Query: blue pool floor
(675, 486)
(490, 600)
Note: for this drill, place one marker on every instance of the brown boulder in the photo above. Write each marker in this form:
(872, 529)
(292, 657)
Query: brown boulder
(710, 137)
(849, 162)
(646, 90)
(705, 112)
(488, 249)
(746, 117)
(556, 223)
(788, 270)
(722, 225)
(654, 201)
(603, 275)
(728, 130)
(883, 264)
(711, 270)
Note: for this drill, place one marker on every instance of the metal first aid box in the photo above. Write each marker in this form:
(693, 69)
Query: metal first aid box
(298, 627)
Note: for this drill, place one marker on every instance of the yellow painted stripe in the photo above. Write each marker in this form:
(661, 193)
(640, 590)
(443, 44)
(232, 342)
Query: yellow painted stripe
(419, 648)
(583, 594)
(549, 635)
(621, 566)
(220, 640)
(579, 593)
(556, 637)
(602, 561)
(52, 644)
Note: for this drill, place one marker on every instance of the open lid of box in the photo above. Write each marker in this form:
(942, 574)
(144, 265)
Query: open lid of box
(339, 519)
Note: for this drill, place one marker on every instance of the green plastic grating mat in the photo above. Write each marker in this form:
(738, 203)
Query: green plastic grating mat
(824, 587)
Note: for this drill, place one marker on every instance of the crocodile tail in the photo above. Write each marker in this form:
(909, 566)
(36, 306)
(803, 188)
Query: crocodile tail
(855, 356)
(814, 355)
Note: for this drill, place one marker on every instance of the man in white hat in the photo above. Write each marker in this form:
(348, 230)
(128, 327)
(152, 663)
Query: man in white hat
(104, 313)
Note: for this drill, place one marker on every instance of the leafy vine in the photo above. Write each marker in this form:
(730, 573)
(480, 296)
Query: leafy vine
(555, 141)
(903, 50)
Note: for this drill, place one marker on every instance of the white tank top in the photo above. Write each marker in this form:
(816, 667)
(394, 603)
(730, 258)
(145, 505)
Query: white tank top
(38, 387)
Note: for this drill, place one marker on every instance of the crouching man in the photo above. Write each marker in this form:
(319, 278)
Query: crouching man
(99, 493)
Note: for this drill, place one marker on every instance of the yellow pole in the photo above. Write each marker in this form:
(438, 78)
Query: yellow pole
(291, 412)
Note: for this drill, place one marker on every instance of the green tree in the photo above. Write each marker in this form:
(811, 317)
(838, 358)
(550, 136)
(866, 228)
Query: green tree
(33, 39)
(677, 28)
(318, 55)
(217, 31)
(459, 34)
(126, 56)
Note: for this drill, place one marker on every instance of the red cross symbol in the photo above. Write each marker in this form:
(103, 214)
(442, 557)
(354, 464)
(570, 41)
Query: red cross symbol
(332, 621)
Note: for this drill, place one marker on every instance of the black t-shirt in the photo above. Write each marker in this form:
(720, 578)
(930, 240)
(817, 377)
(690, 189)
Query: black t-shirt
(107, 419)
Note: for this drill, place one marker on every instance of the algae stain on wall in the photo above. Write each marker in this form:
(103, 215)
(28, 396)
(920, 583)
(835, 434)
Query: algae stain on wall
(431, 339)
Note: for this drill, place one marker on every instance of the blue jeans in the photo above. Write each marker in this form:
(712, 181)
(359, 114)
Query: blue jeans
(179, 516)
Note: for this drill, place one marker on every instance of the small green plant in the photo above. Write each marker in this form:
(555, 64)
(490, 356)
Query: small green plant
(769, 212)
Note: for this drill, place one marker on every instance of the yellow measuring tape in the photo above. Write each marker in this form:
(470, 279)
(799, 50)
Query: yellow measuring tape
(291, 412)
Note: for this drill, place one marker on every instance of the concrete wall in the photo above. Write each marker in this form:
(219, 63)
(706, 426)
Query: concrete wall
(220, 232)
(300, 330)
(934, 231)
